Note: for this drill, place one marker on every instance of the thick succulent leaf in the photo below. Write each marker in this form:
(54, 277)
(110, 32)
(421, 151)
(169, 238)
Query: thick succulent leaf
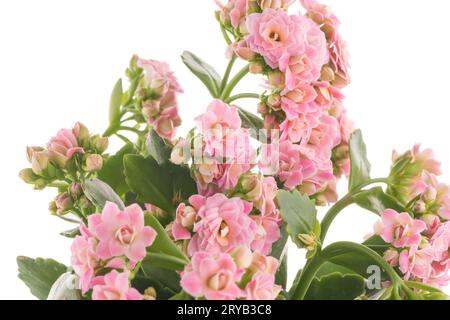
(336, 286)
(360, 166)
(99, 193)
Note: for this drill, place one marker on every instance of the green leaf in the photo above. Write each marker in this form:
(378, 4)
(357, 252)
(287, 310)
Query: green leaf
(115, 103)
(99, 193)
(183, 184)
(158, 148)
(252, 122)
(377, 244)
(210, 78)
(164, 252)
(167, 278)
(360, 166)
(181, 296)
(39, 275)
(279, 250)
(112, 171)
(336, 286)
(71, 233)
(299, 213)
(151, 182)
(376, 201)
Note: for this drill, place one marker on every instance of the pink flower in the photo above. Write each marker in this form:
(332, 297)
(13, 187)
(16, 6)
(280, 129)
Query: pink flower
(275, 35)
(121, 232)
(441, 242)
(325, 137)
(288, 163)
(267, 234)
(185, 218)
(262, 287)
(63, 147)
(213, 276)
(264, 264)
(220, 126)
(400, 229)
(416, 263)
(225, 224)
(159, 74)
(266, 202)
(84, 258)
(233, 12)
(166, 123)
(298, 102)
(425, 160)
(115, 286)
(339, 61)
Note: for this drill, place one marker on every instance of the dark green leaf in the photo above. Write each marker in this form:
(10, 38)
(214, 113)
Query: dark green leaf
(181, 296)
(164, 251)
(252, 122)
(71, 233)
(376, 201)
(39, 275)
(279, 251)
(299, 213)
(112, 172)
(99, 193)
(336, 286)
(151, 182)
(377, 244)
(360, 166)
(167, 278)
(158, 148)
(210, 78)
(115, 103)
(183, 184)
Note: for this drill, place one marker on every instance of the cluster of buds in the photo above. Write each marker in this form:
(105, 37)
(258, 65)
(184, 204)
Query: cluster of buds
(67, 154)
(71, 201)
(156, 95)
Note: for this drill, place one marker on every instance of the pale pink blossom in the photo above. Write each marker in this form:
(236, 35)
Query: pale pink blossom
(325, 137)
(262, 287)
(266, 202)
(63, 147)
(276, 35)
(267, 234)
(425, 160)
(185, 218)
(289, 163)
(159, 72)
(84, 257)
(416, 263)
(264, 264)
(213, 276)
(115, 286)
(233, 12)
(121, 233)
(224, 225)
(400, 229)
(298, 102)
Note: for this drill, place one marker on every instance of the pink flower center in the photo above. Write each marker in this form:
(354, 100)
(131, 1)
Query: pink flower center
(125, 235)
(218, 282)
(222, 234)
(111, 294)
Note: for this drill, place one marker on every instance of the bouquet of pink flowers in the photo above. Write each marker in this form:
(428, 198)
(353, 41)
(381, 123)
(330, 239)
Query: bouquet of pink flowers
(209, 215)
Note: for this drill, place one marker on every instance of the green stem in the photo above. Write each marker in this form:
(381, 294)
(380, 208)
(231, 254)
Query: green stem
(68, 220)
(226, 76)
(243, 96)
(421, 286)
(123, 138)
(225, 34)
(233, 83)
(58, 185)
(123, 128)
(344, 203)
(309, 272)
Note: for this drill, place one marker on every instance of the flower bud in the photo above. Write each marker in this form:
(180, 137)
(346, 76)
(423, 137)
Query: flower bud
(52, 208)
(100, 144)
(39, 162)
(256, 68)
(243, 52)
(274, 4)
(274, 101)
(327, 74)
(63, 203)
(151, 109)
(150, 294)
(276, 78)
(250, 186)
(391, 256)
(31, 151)
(262, 109)
(181, 152)
(85, 203)
(430, 195)
(253, 6)
(27, 175)
(75, 190)
(81, 133)
(242, 256)
(309, 241)
(94, 163)
(420, 207)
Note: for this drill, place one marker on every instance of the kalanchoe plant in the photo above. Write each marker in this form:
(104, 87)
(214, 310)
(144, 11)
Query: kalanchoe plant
(210, 215)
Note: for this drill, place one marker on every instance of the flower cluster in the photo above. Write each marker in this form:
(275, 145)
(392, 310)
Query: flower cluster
(305, 60)
(157, 97)
(420, 238)
(239, 274)
(113, 240)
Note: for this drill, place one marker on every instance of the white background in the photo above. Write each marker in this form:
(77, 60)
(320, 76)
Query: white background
(60, 59)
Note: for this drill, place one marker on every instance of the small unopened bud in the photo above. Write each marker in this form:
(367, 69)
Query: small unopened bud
(242, 256)
(274, 101)
(309, 241)
(429, 195)
(27, 175)
(250, 185)
(420, 207)
(276, 78)
(85, 203)
(262, 109)
(150, 294)
(253, 6)
(52, 207)
(75, 190)
(391, 256)
(31, 151)
(256, 68)
(327, 74)
(158, 87)
(94, 163)
(99, 143)
(181, 152)
(63, 203)
(81, 133)
(39, 162)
